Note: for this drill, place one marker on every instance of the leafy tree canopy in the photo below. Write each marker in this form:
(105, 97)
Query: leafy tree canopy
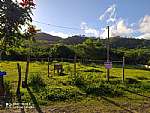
(12, 17)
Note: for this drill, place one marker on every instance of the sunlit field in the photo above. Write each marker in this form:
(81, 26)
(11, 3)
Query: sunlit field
(87, 91)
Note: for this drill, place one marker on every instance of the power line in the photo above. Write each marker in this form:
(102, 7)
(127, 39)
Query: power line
(59, 26)
(65, 27)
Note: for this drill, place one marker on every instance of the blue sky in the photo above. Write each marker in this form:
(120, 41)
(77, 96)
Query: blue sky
(129, 18)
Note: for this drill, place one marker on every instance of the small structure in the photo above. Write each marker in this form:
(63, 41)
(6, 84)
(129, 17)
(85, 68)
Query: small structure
(59, 68)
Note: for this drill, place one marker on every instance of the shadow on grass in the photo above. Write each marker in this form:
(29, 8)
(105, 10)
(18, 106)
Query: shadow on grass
(142, 78)
(93, 70)
(135, 93)
(117, 104)
(33, 98)
(139, 67)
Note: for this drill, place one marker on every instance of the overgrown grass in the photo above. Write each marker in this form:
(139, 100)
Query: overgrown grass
(89, 82)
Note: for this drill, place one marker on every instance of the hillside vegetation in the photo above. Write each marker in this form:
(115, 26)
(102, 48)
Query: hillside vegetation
(136, 51)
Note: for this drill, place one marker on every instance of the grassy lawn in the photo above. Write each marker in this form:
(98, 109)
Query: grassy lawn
(86, 92)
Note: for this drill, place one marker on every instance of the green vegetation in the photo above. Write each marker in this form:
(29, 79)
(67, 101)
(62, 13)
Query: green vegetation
(87, 88)
(88, 49)
(86, 91)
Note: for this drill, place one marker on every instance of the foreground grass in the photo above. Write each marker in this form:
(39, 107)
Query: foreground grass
(86, 92)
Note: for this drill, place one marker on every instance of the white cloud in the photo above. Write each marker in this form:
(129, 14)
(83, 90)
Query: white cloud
(83, 25)
(60, 34)
(89, 31)
(144, 36)
(122, 28)
(144, 27)
(109, 14)
(92, 31)
(118, 29)
(144, 24)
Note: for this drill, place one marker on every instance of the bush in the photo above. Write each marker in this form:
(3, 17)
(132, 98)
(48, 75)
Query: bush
(62, 93)
(78, 80)
(36, 82)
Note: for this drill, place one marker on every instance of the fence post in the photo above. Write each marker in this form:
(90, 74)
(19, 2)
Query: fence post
(27, 71)
(48, 66)
(75, 58)
(19, 79)
(123, 64)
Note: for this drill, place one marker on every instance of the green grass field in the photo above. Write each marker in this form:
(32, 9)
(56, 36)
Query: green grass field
(87, 92)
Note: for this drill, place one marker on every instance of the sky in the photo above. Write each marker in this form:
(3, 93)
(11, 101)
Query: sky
(129, 18)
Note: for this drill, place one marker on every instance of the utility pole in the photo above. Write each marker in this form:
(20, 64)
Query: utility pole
(108, 72)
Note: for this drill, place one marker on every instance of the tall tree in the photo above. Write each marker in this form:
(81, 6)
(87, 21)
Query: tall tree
(13, 16)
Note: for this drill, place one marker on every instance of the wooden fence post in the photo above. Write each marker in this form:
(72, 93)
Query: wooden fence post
(75, 58)
(48, 67)
(123, 64)
(27, 71)
(19, 79)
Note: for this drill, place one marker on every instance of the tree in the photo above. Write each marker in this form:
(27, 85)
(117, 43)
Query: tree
(12, 17)
(89, 42)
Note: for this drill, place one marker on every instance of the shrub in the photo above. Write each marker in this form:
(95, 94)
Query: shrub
(78, 80)
(63, 93)
(36, 82)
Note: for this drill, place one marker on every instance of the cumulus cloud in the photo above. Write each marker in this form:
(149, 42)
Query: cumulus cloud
(109, 14)
(89, 31)
(118, 29)
(60, 34)
(92, 31)
(144, 27)
(144, 24)
(122, 28)
(144, 36)
(83, 25)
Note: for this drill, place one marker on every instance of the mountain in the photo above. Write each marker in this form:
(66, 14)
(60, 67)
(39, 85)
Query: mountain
(50, 39)
(115, 42)
(47, 37)
(74, 40)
